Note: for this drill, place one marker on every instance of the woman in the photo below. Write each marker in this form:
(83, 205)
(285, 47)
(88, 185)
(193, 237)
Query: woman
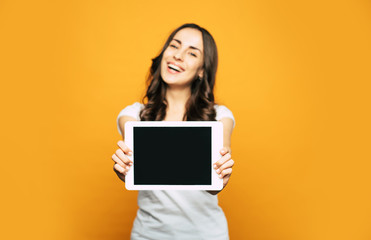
(180, 88)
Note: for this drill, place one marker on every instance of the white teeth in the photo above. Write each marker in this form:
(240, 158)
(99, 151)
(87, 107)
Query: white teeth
(175, 67)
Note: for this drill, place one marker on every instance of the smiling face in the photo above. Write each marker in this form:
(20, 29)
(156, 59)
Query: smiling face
(182, 60)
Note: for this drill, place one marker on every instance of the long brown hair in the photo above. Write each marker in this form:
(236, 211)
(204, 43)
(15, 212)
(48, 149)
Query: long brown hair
(200, 105)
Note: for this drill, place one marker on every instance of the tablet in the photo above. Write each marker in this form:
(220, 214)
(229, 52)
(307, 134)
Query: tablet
(174, 155)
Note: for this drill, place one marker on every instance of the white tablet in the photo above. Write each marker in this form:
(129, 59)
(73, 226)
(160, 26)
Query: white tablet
(171, 155)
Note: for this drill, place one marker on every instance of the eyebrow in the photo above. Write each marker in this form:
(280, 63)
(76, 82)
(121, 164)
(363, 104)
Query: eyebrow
(189, 46)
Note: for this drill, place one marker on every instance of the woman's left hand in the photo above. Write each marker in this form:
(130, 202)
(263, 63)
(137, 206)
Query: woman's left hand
(223, 167)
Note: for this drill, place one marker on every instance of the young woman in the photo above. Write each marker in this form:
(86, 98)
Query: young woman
(180, 88)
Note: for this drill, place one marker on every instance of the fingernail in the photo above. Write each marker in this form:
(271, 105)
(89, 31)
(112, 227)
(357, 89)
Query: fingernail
(218, 171)
(215, 166)
(130, 153)
(220, 176)
(128, 168)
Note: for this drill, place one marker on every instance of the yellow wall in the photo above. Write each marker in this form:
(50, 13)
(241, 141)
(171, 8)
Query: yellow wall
(294, 73)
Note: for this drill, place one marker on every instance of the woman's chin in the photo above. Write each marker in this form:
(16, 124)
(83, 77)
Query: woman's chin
(171, 80)
(175, 81)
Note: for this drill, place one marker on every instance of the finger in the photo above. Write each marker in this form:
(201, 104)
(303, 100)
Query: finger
(225, 172)
(123, 157)
(222, 160)
(224, 151)
(118, 161)
(228, 164)
(120, 169)
(124, 148)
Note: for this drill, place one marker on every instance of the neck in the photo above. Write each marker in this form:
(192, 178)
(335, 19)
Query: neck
(177, 99)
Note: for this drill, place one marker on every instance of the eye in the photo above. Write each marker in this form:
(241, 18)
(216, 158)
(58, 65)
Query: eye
(173, 46)
(192, 54)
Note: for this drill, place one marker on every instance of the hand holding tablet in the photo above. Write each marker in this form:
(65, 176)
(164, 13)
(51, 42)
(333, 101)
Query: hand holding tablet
(180, 142)
(122, 162)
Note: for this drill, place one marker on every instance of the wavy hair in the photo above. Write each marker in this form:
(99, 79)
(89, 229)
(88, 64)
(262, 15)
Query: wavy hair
(200, 105)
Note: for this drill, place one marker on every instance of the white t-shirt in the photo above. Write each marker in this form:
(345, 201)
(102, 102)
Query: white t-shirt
(134, 110)
(178, 215)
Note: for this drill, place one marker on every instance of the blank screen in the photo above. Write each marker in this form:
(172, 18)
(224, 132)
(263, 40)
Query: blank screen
(172, 155)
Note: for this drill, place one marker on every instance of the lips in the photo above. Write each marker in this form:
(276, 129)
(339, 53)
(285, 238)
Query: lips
(175, 67)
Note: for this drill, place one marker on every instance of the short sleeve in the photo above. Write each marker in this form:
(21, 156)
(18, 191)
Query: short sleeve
(224, 112)
(130, 111)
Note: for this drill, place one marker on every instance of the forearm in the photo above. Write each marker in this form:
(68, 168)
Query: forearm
(121, 176)
(214, 192)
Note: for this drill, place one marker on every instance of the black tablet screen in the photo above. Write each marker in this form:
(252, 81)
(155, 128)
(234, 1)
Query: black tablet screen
(172, 155)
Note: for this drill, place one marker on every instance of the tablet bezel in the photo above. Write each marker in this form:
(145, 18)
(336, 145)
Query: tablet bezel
(216, 145)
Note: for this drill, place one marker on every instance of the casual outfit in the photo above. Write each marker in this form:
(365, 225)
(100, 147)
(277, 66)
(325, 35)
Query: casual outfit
(178, 215)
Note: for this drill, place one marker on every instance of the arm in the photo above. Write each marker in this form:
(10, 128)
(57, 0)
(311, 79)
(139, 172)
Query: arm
(225, 164)
(122, 162)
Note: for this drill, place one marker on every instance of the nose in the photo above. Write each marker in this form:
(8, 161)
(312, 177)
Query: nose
(178, 55)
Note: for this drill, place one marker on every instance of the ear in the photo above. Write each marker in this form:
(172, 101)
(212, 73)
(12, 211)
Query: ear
(201, 73)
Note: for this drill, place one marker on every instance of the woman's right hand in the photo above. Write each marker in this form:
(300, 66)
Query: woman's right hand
(122, 162)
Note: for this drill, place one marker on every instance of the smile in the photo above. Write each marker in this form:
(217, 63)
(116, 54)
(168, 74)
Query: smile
(173, 68)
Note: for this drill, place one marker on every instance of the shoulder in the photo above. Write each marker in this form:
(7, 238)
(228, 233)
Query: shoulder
(223, 112)
(132, 110)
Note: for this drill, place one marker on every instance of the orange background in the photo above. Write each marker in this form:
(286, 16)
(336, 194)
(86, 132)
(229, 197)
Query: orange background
(295, 74)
